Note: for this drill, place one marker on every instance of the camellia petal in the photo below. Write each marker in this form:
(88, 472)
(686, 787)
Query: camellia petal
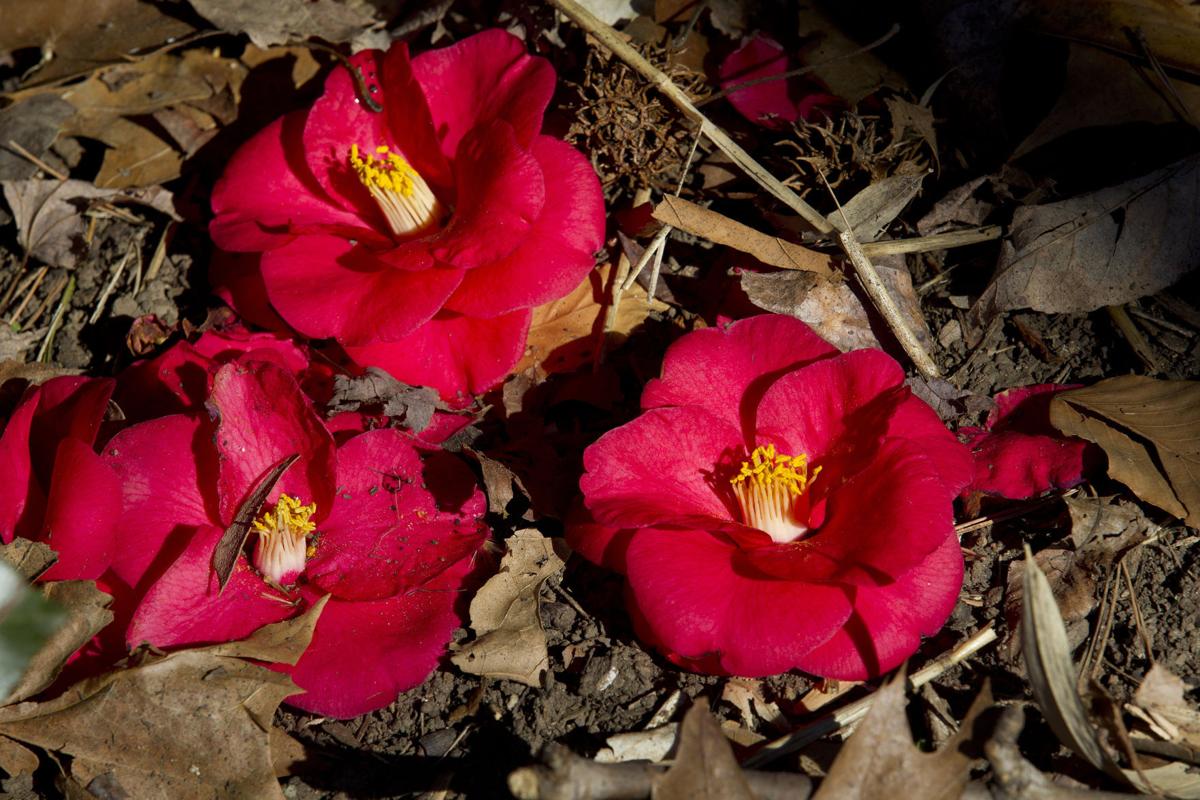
(385, 535)
(324, 286)
(698, 605)
(262, 419)
(83, 506)
(457, 355)
(484, 77)
(726, 369)
(888, 621)
(662, 468)
(556, 255)
(20, 492)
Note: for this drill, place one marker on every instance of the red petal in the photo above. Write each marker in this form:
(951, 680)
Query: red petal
(768, 104)
(267, 192)
(324, 286)
(501, 194)
(173, 382)
(363, 654)
(81, 512)
(70, 408)
(558, 251)
(237, 279)
(660, 468)
(696, 603)
(597, 543)
(842, 401)
(888, 621)
(262, 418)
(726, 369)
(22, 498)
(187, 606)
(484, 77)
(455, 355)
(167, 468)
(385, 534)
(880, 521)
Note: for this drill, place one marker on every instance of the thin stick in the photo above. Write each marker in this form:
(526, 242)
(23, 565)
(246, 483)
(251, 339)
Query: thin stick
(886, 306)
(1133, 337)
(936, 241)
(110, 286)
(614, 43)
(37, 162)
(36, 281)
(160, 253)
(852, 713)
(43, 355)
(47, 300)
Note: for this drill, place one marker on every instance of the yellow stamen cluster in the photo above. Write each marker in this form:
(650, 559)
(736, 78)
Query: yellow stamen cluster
(768, 487)
(402, 194)
(282, 547)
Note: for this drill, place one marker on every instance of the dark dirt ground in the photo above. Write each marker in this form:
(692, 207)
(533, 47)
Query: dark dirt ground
(460, 735)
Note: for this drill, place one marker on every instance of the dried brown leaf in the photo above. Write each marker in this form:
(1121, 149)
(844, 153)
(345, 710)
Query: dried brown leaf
(1150, 431)
(16, 758)
(49, 218)
(564, 333)
(280, 642)
(412, 405)
(229, 547)
(33, 124)
(509, 641)
(286, 21)
(77, 37)
(704, 767)
(880, 759)
(1163, 693)
(192, 724)
(1171, 30)
(1103, 248)
(87, 614)
(829, 307)
(874, 208)
(500, 484)
(718, 228)
(29, 559)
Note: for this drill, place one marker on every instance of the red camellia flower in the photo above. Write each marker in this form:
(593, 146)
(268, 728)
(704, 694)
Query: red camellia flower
(418, 236)
(771, 103)
(55, 488)
(388, 535)
(778, 505)
(1019, 454)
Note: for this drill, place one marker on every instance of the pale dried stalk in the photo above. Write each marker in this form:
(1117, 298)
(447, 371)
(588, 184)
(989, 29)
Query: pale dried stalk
(935, 241)
(620, 48)
(887, 307)
(848, 715)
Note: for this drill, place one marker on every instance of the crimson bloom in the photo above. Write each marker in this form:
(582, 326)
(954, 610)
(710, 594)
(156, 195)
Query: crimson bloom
(419, 236)
(1019, 454)
(389, 536)
(778, 505)
(55, 488)
(771, 103)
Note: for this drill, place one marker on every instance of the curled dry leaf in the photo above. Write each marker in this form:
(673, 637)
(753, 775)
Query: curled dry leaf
(1150, 431)
(704, 764)
(1162, 693)
(880, 759)
(870, 211)
(33, 124)
(1052, 677)
(509, 641)
(192, 724)
(1171, 30)
(87, 614)
(1099, 249)
(27, 622)
(49, 214)
(295, 20)
(29, 559)
(500, 483)
(564, 334)
(412, 405)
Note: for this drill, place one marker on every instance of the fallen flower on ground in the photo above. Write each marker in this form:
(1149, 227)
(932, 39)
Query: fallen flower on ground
(390, 535)
(419, 236)
(1019, 454)
(778, 505)
(769, 99)
(55, 488)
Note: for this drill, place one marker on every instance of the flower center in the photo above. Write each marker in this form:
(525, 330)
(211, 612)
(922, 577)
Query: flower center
(282, 546)
(402, 194)
(771, 489)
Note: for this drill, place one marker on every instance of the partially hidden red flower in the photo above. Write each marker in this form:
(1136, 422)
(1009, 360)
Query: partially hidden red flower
(419, 236)
(55, 488)
(388, 535)
(770, 103)
(1019, 454)
(778, 505)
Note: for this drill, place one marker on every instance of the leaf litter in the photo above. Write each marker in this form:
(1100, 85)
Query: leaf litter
(159, 112)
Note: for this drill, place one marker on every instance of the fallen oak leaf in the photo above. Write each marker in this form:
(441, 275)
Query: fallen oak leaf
(1150, 431)
(704, 764)
(295, 20)
(30, 559)
(191, 724)
(509, 640)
